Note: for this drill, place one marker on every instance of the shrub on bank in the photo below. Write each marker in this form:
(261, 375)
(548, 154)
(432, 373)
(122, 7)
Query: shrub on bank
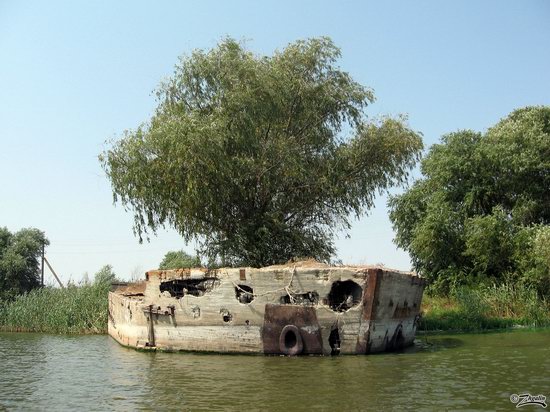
(485, 307)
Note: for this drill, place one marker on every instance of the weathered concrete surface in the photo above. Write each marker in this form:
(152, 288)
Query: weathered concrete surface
(328, 310)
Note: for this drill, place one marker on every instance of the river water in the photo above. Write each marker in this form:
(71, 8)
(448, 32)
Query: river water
(455, 372)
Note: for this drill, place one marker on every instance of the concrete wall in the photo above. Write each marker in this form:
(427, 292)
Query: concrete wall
(335, 310)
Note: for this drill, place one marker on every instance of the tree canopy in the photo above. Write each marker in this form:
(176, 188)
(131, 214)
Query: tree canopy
(259, 158)
(105, 275)
(20, 254)
(481, 211)
(179, 259)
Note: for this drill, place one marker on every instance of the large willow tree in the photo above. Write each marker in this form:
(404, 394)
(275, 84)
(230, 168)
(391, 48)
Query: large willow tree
(259, 158)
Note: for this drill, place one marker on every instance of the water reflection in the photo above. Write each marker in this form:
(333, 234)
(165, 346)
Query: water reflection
(438, 372)
(434, 343)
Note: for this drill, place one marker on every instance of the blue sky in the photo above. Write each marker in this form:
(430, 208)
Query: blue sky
(74, 74)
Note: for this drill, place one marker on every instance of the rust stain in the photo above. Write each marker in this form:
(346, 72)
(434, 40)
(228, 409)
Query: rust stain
(276, 317)
(278, 275)
(402, 312)
(370, 296)
(129, 289)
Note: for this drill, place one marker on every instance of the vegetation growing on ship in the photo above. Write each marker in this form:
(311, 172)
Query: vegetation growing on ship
(75, 309)
(20, 254)
(259, 158)
(178, 259)
(480, 214)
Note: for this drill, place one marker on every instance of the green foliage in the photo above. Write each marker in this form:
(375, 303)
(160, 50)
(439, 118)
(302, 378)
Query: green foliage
(485, 308)
(105, 275)
(75, 309)
(20, 254)
(179, 260)
(259, 158)
(532, 257)
(480, 213)
(489, 242)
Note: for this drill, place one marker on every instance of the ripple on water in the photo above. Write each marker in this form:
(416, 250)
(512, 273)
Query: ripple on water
(44, 372)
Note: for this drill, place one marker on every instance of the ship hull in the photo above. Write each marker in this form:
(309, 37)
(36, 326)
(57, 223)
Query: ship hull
(290, 310)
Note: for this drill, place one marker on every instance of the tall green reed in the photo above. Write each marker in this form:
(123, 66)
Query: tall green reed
(75, 309)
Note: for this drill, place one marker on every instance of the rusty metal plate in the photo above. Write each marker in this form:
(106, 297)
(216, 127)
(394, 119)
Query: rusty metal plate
(276, 317)
(370, 294)
(370, 298)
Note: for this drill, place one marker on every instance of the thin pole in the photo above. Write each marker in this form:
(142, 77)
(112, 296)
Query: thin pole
(42, 276)
(56, 278)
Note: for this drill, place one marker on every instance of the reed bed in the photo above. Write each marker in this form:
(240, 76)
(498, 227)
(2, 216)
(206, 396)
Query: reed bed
(485, 308)
(73, 310)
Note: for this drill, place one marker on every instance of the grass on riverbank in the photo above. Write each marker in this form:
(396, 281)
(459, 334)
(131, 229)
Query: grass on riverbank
(484, 308)
(75, 309)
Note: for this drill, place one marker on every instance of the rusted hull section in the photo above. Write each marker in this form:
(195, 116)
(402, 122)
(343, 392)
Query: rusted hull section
(293, 310)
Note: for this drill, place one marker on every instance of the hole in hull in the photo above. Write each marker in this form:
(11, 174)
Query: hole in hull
(334, 341)
(226, 315)
(178, 288)
(344, 295)
(304, 299)
(244, 293)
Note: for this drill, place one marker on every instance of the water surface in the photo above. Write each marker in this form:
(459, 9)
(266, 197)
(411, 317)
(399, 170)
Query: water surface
(464, 372)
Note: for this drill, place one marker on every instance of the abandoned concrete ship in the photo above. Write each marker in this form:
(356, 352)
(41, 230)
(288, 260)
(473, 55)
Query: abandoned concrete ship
(303, 308)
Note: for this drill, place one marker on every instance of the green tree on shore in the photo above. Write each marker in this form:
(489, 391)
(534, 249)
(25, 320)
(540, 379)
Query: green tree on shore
(20, 254)
(259, 158)
(105, 275)
(481, 211)
(178, 259)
